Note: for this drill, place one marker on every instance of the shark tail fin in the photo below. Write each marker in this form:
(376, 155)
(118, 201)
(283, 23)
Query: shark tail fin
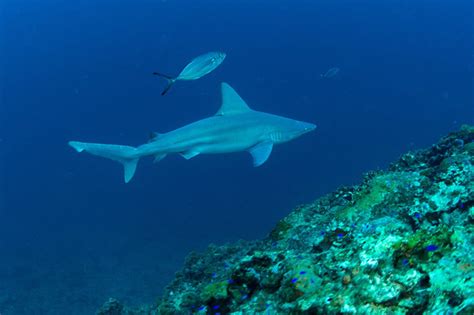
(120, 153)
(170, 80)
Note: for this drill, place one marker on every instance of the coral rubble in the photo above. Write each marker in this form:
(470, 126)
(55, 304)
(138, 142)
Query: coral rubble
(399, 243)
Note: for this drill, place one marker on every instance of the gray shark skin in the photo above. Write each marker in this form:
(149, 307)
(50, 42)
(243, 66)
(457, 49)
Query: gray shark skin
(197, 68)
(234, 128)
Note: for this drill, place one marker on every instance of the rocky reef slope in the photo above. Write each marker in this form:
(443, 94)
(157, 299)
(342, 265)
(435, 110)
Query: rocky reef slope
(399, 243)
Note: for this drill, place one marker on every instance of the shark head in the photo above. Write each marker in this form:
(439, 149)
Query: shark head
(288, 129)
(277, 129)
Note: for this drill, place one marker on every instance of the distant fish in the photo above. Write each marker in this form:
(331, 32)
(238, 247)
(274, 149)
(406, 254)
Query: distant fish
(197, 68)
(331, 73)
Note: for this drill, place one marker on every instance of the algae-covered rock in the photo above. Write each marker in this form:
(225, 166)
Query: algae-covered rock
(399, 243)
(111, 307)
(114, 307)
(216, 291)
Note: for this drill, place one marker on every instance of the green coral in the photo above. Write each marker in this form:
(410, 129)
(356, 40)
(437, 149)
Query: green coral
(216, 291)
(378, 188)
(281, 230)
(383, 190)
(415, 247)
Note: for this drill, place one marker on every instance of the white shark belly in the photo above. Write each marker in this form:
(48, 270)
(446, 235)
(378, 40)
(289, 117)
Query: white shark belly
(222, 148)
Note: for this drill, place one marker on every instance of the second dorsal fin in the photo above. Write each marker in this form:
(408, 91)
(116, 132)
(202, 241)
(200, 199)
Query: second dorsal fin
(153, 136)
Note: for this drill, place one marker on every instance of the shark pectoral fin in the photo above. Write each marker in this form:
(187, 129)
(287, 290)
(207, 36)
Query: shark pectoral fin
(189, 154)
(261, 152)
(159, 157)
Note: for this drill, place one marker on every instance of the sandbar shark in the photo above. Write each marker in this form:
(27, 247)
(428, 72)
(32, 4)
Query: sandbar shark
(234, 128)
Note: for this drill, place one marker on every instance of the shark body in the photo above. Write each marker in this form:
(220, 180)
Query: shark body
(234, 128)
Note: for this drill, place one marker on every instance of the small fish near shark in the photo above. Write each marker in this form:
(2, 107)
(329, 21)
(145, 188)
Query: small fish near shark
(197, 68)
(234, 128)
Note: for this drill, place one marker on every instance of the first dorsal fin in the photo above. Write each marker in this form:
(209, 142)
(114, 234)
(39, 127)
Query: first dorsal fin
(232, 103)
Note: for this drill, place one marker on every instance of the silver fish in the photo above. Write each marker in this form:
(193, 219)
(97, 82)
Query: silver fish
(197, 68)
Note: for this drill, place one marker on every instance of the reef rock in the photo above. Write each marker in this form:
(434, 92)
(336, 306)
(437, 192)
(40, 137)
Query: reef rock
(399, 243)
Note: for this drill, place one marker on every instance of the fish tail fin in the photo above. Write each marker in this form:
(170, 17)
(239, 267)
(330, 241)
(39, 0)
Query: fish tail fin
(168, 87)
(170, 80)
(120, 153)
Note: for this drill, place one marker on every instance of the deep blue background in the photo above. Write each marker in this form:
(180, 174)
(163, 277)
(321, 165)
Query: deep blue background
(81, 70)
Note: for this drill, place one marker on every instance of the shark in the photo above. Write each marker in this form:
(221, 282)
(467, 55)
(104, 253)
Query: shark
(234, 128)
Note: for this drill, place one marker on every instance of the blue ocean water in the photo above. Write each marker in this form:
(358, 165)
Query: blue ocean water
(73, 234)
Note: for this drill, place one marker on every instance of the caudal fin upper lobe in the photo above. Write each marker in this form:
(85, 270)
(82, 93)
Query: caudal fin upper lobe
(126, 155)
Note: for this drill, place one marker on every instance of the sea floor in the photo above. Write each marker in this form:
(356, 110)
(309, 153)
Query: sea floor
(37, 282)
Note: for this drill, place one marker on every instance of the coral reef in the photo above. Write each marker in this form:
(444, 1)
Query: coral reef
(399, 243)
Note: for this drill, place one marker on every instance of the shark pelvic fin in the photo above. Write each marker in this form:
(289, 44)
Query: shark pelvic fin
(232, 103)
(189, 154)
(261, 152)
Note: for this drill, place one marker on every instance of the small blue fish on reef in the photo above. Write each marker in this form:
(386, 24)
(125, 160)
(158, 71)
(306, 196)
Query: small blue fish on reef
(431, 248)
(197, 68)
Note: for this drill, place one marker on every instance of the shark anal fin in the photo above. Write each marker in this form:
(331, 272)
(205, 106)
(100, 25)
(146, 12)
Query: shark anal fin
(232, 103)
(189, 154)
(261, 152)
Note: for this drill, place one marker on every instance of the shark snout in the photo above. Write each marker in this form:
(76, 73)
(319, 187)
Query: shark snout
(307, 127)
(311, 127)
